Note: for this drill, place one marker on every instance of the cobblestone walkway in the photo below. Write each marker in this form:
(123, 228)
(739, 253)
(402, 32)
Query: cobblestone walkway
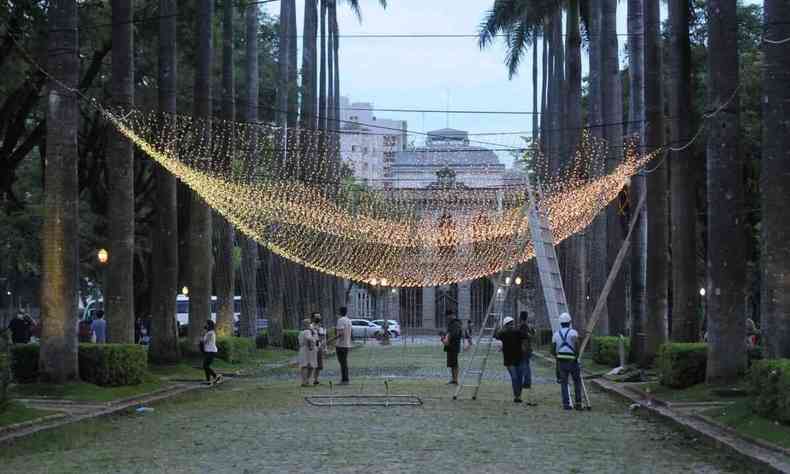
(262, 424)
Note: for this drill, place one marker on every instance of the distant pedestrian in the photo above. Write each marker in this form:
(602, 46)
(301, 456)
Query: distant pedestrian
(20, 329)
(308, 352)
(209, 348)
(565, 347)
(99, 328)
(320, 333)
(452, 345)
(526, 350)
(468, 335)
(343, 345)
(512, 355)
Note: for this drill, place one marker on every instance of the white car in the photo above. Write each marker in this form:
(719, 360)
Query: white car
(393, 326)
(362, 328)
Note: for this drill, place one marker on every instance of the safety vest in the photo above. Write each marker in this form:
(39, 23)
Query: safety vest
(564, 344)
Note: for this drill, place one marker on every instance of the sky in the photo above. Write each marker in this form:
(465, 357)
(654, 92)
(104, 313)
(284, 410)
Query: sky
(437, 73)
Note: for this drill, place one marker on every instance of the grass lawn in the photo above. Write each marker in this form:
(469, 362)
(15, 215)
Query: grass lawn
(192, 368)
(15, 412)
(740, 417)
(695, 393)
(85, 392)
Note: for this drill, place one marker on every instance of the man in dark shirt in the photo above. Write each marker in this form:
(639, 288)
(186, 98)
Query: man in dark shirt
(20, 329)
(452, 345)
(512, 354)
(526, 350)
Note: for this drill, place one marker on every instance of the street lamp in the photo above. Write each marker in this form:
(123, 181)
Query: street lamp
(702, 291)
(518, 280)
(103, 256)
(185, 291)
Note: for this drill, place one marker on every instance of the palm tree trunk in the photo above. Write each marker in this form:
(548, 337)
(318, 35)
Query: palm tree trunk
(726, 256)
(60, 229)
(544, 86)
(164, 278)
(685, 298)
(535, 102)
(200, 214)
(636, 114)
(548, 117)
(119, 293)
(309, 63)
(655, 327)
(224, 277)
(775, 180)
(293, 66)
(322, 99)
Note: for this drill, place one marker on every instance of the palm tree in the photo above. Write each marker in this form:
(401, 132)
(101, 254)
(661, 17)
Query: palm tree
(775, 185)
(119, 291)
(199, 213)
(60, 229)
(224, 277)
(249, 248)
(683, 197)
(657, 252)
(164, 278)
(726, 257)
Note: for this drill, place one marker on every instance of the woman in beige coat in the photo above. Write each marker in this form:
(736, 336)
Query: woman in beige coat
(308, 352)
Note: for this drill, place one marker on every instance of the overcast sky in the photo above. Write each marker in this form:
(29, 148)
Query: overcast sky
(436, 73)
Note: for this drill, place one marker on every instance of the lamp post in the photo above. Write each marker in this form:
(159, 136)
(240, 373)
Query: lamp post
(703, 302)
(103, 256)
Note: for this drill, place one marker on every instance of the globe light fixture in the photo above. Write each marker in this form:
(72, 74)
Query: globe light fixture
(507, 281)
(185, 291)
(518, 280)
(702, 291)
(103, 255)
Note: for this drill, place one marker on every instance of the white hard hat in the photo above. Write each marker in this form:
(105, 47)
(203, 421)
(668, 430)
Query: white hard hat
(507, 321)
(565, 318)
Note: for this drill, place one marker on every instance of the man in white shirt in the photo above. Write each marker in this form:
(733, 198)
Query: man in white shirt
(565, 346)
(343, 345)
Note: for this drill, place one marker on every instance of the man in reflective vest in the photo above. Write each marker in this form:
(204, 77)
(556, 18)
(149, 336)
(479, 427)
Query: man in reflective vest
(565, 347)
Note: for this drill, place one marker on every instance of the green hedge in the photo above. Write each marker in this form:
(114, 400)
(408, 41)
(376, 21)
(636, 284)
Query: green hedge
(100, 364)
(682, 365)
(769, 382)
(262, 340)
(605, 350)
(113, 365)
(235, 349)
(291, 339)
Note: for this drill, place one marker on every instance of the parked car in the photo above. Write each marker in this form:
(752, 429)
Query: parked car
(362, 328)
(393, 327)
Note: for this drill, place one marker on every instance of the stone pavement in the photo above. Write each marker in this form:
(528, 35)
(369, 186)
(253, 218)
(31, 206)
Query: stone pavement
(262, 424)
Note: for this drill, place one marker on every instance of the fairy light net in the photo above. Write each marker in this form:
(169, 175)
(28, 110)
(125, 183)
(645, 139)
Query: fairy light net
(287, 190)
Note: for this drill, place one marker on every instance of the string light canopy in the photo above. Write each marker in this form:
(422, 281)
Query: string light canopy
(288, 190)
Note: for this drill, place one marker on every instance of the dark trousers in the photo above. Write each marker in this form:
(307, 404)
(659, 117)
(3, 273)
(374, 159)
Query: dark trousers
(342, 358)
(570, 367)
(208, 358)
(516, 377)
(526, 372)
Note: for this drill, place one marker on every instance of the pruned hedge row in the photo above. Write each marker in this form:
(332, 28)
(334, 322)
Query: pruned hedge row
(291, 339)
(682, 365)
(605, 350)
(235, 349)
(101, 364)
(769, 382)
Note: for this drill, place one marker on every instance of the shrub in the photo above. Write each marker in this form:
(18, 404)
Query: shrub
(682, 365)
(605, 350)
(262, 340)
(234, 349)
(188, 349)
(291, 339)
(769, 382)
(24, 362)
(113, 365)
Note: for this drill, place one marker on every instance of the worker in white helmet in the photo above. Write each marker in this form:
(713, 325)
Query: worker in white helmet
(565, 347)
(512, 354)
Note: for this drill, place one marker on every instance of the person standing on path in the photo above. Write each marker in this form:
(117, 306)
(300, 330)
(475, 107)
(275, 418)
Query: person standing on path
(20, 329)
(452, 345)
(209, 347)
(320, 334)
(526, 350)
(343, 345)
(99, 328)
(308, 352)
(565, 347)
(512, 355)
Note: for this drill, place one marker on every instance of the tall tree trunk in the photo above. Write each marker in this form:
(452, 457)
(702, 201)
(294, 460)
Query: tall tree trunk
(60, 229)
(685, 298)
(309, 63)
(548, 117)
(249, 248)
(597, 232)
(164, 278)
(612, 94)
(322, 98)
(336, 70)
(293, 67)
(636, 116)
(535, 103)
(726, 257)
(224, 275)
(657, 232)
(544, 71)
(775, 181)
(119, 293)
(200, 214)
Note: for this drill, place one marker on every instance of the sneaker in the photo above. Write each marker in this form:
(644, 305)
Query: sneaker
(567, 408)
(452, 382)
(316, 383)
(579, 407)
(517, 400)
(218, 379)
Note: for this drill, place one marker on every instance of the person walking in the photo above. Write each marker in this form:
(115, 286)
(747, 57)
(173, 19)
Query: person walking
(209, 348)
(20, 329)
(343, 344)
(452, 345)
(99, 328)
(308, 352)
(565, 347)
(320, 334)
(526, 350)
(512, 354)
